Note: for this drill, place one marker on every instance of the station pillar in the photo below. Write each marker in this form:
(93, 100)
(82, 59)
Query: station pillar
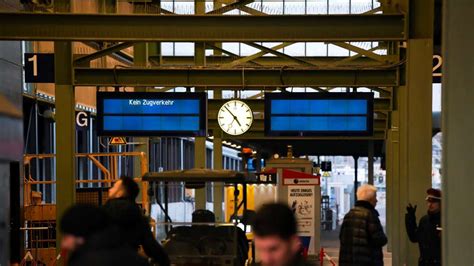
(409, 141)
(65, 124)
(370, 161)
(140, 59)
(356, 176)
(457, 128)
(200, 162)
(200, 142)
(218, 189)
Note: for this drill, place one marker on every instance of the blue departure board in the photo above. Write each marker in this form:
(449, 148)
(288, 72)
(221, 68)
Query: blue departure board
(151, 114)
(319, 114)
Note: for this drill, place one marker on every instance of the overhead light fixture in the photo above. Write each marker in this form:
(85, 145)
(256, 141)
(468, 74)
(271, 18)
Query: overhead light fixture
(233, 146)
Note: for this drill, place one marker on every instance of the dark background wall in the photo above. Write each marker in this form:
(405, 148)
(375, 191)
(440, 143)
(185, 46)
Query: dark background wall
(11, 139)
(11, 134)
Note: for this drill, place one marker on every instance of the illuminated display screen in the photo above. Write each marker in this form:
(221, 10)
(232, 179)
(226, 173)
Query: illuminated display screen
(318, 114)
(151, 114)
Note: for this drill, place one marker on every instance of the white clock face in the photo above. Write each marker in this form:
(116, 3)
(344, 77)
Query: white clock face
(235, 117)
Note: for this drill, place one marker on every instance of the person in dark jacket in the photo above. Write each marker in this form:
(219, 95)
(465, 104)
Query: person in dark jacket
(134, 226)
(362, 236)
(428, 231)
(275, 233)
(91, 240)
(106, 248)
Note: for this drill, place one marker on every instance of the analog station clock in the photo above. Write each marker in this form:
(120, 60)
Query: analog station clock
(235, 117)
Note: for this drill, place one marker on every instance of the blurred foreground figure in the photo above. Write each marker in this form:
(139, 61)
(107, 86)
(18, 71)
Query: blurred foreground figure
(133, 225)
(362, 236)
(428, 232)
(90, 240)
(276, 241)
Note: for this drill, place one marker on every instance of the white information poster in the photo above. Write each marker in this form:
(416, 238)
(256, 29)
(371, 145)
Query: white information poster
(301, 199)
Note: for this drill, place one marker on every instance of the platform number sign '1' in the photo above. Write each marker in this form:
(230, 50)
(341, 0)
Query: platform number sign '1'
(39, 68)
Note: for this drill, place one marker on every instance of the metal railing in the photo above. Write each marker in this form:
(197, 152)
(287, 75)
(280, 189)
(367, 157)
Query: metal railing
(109, 175)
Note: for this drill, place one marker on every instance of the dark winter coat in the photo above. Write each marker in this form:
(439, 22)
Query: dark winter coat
(106, 248)
(135, 228)
(362, 237)
(427, 237)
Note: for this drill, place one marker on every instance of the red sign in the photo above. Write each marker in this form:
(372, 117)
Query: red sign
(292, 178)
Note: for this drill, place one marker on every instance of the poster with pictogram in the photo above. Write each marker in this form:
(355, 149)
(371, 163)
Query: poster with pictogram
(301, 200)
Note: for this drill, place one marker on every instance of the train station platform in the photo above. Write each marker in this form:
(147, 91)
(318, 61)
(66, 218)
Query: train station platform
(199, 132)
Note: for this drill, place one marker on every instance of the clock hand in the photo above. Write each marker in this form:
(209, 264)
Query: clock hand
(232, 114)
(235, 117)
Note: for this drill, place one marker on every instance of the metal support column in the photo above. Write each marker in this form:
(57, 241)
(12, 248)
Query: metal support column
(370, 162)
(200, 142)
(200, 162)
(217, 52)
(392, 170)
(105, 6)
(411, 137)
(140, 58)
(65, 125)
(154, 48)
(218, 186)
(457, 128)
(356, 176)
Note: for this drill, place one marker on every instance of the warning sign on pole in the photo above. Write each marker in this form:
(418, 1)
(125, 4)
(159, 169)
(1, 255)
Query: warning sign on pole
(117, 141)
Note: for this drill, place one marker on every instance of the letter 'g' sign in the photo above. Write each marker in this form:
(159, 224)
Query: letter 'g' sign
(82, 120)
(39, 68)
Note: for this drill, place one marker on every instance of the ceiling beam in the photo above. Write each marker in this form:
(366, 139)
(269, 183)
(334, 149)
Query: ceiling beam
(267, 61)
(252, 57)
(280, 54)
(260, 135)
(231, 55)
(349, 59)
(258, 125)
(140, 27)
(230, 7)
(252, 11)
(101, 53)
(235, 77)
(367, 53)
